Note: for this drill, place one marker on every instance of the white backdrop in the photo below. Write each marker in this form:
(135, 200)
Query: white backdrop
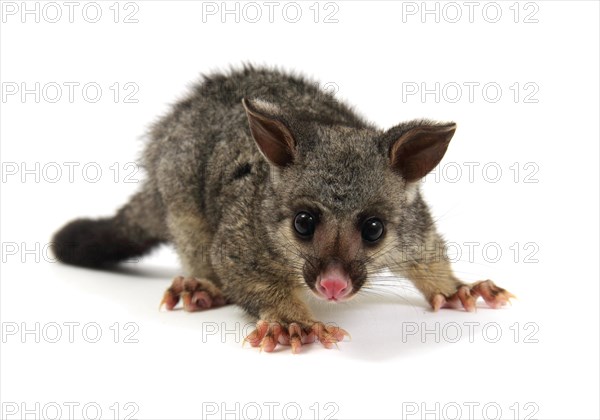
(516, 195)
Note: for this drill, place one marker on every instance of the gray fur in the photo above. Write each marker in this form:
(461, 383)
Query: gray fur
(229, 212)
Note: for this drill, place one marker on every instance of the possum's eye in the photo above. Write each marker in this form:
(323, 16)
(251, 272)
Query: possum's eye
(304, 223)
(372, 230)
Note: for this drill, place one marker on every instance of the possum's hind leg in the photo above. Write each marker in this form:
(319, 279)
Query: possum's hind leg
(199, 288)
(180, 171)
(196, 294)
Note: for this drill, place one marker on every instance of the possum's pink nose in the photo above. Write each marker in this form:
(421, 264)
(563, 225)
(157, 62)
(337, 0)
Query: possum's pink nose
(334, 284)
(334, 289)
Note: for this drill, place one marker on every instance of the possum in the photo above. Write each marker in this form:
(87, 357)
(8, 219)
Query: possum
(268, 185)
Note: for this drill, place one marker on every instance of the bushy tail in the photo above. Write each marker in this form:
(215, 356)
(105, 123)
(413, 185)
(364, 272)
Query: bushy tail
(104, 242)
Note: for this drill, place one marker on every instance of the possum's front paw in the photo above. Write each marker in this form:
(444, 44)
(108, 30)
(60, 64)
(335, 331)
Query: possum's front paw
(268, 334)
(466, 296)
(196, 294)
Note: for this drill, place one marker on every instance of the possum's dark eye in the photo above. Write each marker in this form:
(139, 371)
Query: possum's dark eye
(304, 223)
(372, 230)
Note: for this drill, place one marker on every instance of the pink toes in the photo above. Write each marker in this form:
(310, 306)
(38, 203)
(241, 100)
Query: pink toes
(494, 296)
(268, 334)
(466, 297)
(196, 294)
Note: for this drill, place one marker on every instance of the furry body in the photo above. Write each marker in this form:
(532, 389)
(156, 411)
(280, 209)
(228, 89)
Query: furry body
(228, 206)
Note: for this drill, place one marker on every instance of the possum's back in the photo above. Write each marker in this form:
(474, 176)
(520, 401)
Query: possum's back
(293, 92)
(212, 113)
(218, 96)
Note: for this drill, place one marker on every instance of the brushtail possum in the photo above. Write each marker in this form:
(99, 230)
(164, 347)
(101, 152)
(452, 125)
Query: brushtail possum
(267, 185)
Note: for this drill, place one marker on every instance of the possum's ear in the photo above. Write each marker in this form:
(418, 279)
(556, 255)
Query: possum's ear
(417, 151)
(274, 140)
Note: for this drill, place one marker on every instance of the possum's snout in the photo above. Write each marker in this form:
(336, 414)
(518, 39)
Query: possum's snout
(335, 263)
(334, 283)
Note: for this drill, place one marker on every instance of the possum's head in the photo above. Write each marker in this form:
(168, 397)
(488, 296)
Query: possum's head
(345, 198)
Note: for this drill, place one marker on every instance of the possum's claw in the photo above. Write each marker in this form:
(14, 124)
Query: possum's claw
(169, 300)
(493, 295)
(296, 335)
(196, 294)
(271, 337)
(256, 336)
(466, 297)
(268, 334)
